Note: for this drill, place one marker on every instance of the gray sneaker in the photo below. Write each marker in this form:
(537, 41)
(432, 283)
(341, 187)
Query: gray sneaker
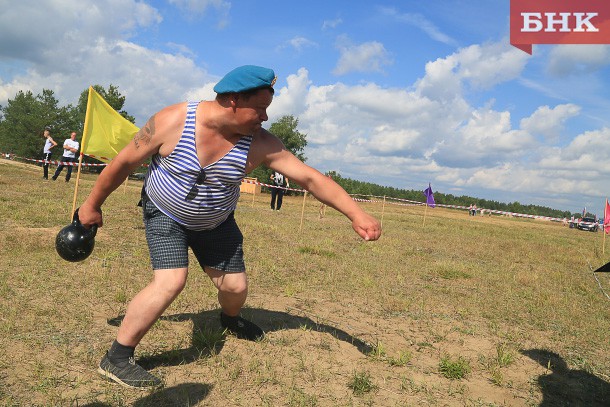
(131, 375)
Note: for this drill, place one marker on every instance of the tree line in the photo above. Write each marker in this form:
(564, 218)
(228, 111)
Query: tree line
(23, 119)
(368, 188)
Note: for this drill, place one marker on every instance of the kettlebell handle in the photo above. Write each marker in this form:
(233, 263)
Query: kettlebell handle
(76, 222)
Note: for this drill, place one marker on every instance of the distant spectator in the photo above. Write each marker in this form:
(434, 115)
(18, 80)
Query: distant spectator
(277, 193)
(472, 210)
(71, 147)
(46, 151)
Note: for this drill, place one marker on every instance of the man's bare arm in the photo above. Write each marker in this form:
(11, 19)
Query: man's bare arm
(144, 144)
(273, 154)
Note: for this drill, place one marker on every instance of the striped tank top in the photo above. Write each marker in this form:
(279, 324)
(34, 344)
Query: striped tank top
(170, 179)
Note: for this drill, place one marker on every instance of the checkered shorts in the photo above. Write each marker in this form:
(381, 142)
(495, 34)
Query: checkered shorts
(220, 248)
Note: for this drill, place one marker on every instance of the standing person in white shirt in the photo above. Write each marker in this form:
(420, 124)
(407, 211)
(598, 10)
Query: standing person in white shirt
(71, 147)
(46, 152)
(280, 182)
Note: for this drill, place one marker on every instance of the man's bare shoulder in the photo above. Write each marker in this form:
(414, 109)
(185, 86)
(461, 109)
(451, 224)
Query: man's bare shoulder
(161, 129)
(171, 115)
(264, 147)
(265, 138)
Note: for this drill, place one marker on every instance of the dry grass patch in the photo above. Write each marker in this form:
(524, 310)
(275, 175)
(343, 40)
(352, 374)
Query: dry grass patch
(509, 304)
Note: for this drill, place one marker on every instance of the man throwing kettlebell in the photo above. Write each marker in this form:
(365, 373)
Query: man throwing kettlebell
(200, 153)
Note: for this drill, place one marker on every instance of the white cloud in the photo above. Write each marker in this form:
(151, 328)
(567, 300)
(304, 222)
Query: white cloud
(366, 57)
(378, 124)
(588, 151)
(549, 122)
(291, 98)
(567, 60)
(298, 43)
(39, 32)
(205, 92)
(94, 51)
(402, 135)
(181, 49)
(481, 66)
(196, 8)
(421, 22)
(487, 139)
(331, 23)
(301, 42)
(581, 168)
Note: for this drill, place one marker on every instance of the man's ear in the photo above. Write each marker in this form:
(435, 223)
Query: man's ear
(233, 99)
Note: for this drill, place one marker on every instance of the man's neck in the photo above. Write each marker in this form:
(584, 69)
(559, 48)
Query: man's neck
(216, 119)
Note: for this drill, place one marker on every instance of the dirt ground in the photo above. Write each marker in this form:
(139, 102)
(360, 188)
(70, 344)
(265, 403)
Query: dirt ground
(56, 321)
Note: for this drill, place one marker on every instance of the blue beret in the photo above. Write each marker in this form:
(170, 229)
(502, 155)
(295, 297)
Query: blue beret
(245, 78)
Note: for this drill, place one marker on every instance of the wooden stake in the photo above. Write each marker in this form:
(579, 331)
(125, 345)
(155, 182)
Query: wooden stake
(425, 212)
(382, 211)
(604, 228)
(302, 211)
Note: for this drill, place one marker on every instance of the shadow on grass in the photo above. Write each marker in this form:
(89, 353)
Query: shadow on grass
(186, 394)
(209, 337)
(568, 387)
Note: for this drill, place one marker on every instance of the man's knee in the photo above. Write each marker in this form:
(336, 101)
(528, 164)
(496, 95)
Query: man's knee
(172, 282)
(231, 283)
(235, 286)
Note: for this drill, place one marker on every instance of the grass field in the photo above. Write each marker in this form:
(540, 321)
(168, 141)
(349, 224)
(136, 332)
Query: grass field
(464, 311)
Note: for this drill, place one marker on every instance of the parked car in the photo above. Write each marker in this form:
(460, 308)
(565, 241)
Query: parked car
(137, 176)
(588, 224)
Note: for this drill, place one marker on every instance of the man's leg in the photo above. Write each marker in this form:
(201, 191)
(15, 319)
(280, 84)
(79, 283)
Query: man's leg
(232, 293)
(280, 198)
(45, 165)
(69, 174)
(58, 170)
(273, 196)
(148, 305)
(232, 290)
(143, 311)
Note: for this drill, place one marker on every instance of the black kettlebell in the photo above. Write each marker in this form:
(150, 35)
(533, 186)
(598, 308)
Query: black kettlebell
(75, 242)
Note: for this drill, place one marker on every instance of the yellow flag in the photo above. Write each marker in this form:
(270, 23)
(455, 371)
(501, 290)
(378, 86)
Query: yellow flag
(106, 131)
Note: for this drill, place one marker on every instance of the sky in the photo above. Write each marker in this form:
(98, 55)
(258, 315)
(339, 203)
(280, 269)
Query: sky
(397, 93)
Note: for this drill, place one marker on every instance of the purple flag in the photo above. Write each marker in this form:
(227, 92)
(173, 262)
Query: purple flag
(429, 196)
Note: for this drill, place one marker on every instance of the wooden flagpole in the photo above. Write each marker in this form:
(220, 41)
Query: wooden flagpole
(425, 212)
(382, 211)
(80, 161)
(302, 212)
(604, 228)
(80, 158)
